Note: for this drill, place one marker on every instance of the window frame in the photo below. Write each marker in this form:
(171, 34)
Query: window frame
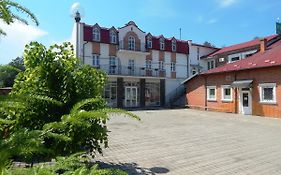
(161, 65)
(96, 34)
(211, 62)
(113, 37)
(174, 45)
(261, 93)
(162, 44)
(223, 99)
(208, 93)
(96, 60)
(131, 43)
(149, 43)
(173, 66)
(148, 65)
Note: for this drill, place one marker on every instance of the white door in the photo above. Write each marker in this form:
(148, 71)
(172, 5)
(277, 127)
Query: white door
(131, 96)
(245, 102)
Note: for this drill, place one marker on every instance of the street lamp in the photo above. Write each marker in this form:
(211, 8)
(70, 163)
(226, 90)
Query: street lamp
(77, 13)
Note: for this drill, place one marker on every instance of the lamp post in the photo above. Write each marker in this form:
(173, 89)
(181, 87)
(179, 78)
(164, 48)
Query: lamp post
(77, 18)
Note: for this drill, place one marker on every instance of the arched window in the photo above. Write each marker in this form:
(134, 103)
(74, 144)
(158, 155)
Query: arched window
(149, 42)
(113, 37)
(162, 44)
(131, 43)
(96, 34)
(174, 45)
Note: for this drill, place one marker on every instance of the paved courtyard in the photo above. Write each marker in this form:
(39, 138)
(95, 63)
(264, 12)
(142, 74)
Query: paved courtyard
(194, 142)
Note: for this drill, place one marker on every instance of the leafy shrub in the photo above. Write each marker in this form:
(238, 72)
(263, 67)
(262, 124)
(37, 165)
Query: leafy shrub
(55, 108)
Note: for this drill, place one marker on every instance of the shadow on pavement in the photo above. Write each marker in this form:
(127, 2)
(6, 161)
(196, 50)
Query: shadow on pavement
(134, 168)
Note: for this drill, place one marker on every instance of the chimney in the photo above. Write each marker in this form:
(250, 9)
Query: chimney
(263, 44)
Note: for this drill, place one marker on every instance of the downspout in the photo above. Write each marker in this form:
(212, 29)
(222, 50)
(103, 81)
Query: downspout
(84, 51)
(205, 83)
(236, 95)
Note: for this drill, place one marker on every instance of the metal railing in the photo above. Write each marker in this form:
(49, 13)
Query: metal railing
(131, 71)
(140, 47)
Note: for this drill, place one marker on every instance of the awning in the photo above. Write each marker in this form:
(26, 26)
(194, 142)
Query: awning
(242, 83)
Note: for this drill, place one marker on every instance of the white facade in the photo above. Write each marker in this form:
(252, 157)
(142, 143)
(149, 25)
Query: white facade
(128, 61)
(196, 51)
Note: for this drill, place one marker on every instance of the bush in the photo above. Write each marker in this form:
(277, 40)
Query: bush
(55, 108)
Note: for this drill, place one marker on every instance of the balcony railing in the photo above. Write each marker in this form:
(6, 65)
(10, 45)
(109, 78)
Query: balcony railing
(137, 46)
(131, 71)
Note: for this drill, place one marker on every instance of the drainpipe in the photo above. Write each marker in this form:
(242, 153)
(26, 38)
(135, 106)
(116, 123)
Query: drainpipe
(205, 83)
(236, 95)
(84, 51)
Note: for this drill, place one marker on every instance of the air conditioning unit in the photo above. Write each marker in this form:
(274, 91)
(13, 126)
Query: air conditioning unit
(221, 59)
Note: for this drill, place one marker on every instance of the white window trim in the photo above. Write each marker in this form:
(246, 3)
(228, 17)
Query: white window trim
(214, 64)
(267, 85)
(148, 64)
(208, 93)
(223, 95)
(113, 37)
(173, 67)
(174, 45)
(149, 43)
(162, 44)
(96, 34)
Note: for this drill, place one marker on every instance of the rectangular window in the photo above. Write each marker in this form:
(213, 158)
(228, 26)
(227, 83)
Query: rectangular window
(161, 65)
(96, 60)
(173, 66)
(233, 59)
(162, 46)
(149, 44)
(211, 93)
(131, 67)
(112, 65)
(211, 64)
(268, 93)
(174, 46)
(226, 93)
(148, 64)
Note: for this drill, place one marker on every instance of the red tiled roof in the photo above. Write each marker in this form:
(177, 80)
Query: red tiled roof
(241, 45)
(271, 57)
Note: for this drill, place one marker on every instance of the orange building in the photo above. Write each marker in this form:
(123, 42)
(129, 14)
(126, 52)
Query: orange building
(251, 86)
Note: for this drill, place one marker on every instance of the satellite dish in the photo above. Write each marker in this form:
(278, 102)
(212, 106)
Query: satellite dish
(77, 11)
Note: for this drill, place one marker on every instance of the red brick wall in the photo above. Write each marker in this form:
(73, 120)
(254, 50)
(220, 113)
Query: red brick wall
(269, 75)
(196, 91)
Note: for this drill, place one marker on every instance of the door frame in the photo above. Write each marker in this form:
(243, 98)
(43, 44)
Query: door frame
(241, 108)
(131, 100)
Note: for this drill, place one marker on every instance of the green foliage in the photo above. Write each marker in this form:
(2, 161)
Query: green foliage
(7, 75)
(17, 63)
(76, 164)
(55, 108)
(8, 15)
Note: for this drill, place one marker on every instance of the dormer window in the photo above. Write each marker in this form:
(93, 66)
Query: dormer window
(113, 37)
(162, 44)
(174, 45)
(96, 34)
(131, 43)
(149, 43)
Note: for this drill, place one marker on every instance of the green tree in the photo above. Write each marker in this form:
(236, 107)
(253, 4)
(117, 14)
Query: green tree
(18, 63)
(8, 15)
(58, 101)
(8, 74)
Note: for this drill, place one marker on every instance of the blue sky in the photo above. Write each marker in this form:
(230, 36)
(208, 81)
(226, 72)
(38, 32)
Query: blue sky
(221, 22)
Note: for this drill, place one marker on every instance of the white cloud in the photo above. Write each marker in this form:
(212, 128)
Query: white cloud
(200, 19)
(18, 35)
(226, 3)
(212, 21)
(157, 8)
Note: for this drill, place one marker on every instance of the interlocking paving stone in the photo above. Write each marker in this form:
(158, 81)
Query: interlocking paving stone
(188, 141)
